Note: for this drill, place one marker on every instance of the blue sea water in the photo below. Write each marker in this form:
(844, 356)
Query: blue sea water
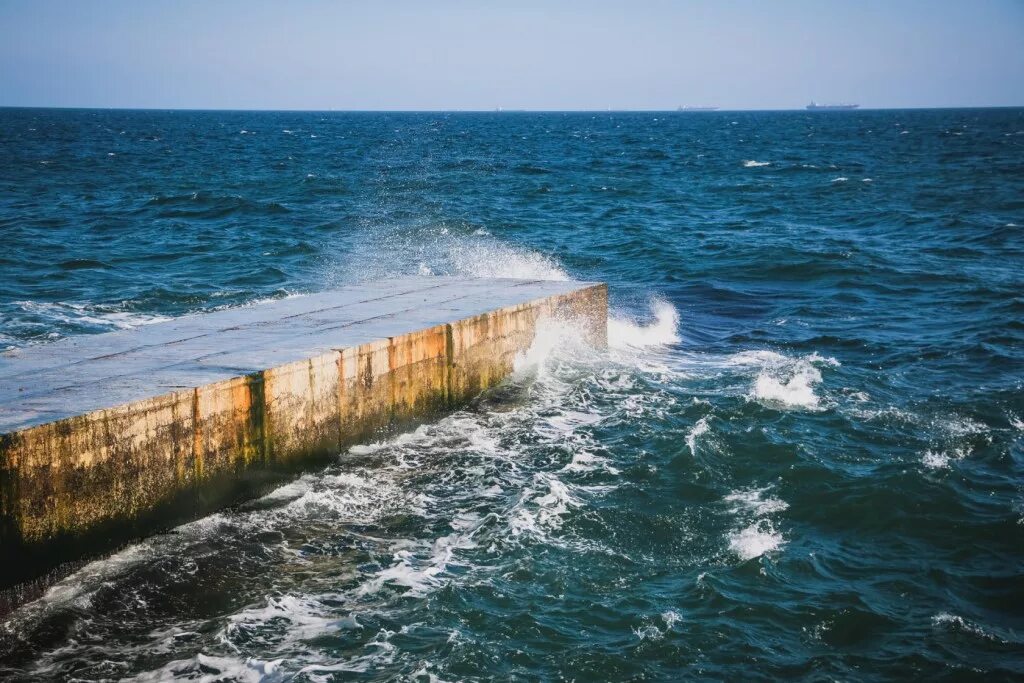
(801, 458)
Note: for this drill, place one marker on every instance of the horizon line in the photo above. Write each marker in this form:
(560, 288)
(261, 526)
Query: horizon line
(497, 110)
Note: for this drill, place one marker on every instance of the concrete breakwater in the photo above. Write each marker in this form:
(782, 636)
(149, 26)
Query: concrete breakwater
(109, 437)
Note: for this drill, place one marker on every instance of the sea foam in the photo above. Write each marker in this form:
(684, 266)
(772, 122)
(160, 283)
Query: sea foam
(627, 333)
(785, 381)
(755, 540)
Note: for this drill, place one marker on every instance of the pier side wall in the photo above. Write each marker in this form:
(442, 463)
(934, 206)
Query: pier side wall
(86, 484)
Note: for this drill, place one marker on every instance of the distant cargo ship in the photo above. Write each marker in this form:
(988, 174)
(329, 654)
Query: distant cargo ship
(689, 108)
(814, 106)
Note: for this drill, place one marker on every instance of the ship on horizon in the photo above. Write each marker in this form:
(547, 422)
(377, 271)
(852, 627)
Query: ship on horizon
(814, 106)
(687, 107)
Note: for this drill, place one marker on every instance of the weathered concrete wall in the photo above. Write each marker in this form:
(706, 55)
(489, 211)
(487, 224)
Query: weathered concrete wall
(83, 484)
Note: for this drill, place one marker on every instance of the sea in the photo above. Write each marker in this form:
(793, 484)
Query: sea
(800, 458)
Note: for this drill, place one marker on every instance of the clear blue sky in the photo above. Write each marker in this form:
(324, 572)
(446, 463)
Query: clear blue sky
(631, 54)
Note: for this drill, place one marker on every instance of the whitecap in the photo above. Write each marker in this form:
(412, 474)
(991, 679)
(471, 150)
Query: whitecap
(750, 163)
(840, 179)
(785, 381)
(956, 622)
(699, 429)
(755, 540)
(935, 460)
(797, 390)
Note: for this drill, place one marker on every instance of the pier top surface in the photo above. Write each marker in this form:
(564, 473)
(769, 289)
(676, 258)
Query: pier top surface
(77, 375)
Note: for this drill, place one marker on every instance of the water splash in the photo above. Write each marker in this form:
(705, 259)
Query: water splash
(625, 332)
(441, 249)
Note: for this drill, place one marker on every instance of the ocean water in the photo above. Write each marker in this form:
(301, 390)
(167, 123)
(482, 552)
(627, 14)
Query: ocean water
(802, 456)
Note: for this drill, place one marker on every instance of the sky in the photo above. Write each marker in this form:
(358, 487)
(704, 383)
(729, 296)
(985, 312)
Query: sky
(452, 55)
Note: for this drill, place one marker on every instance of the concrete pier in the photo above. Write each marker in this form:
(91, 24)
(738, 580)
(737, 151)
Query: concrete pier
(105, 438)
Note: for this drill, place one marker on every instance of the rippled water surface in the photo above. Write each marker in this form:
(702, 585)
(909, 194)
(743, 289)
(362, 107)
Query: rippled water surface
(802, 456)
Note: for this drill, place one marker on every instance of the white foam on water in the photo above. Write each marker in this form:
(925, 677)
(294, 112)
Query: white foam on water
(423, 672)
(840, 179)
(353, 498)
(649, 629)
(785, 381)
(755, 501)
(935, 460)
(958, 623)
(957, 426)
(648, 632)
(420, 566)
(79, 586)
(698, 430)
(112, 317)
(589, 462)
(953, 438)
(755, 540)
(671, 618)
(420, 575)
(797, 390)
(209, 669)
(541, 507)
(750, 163)
(305, 618)
(627, 333)
(755, 534)
(290, 491)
